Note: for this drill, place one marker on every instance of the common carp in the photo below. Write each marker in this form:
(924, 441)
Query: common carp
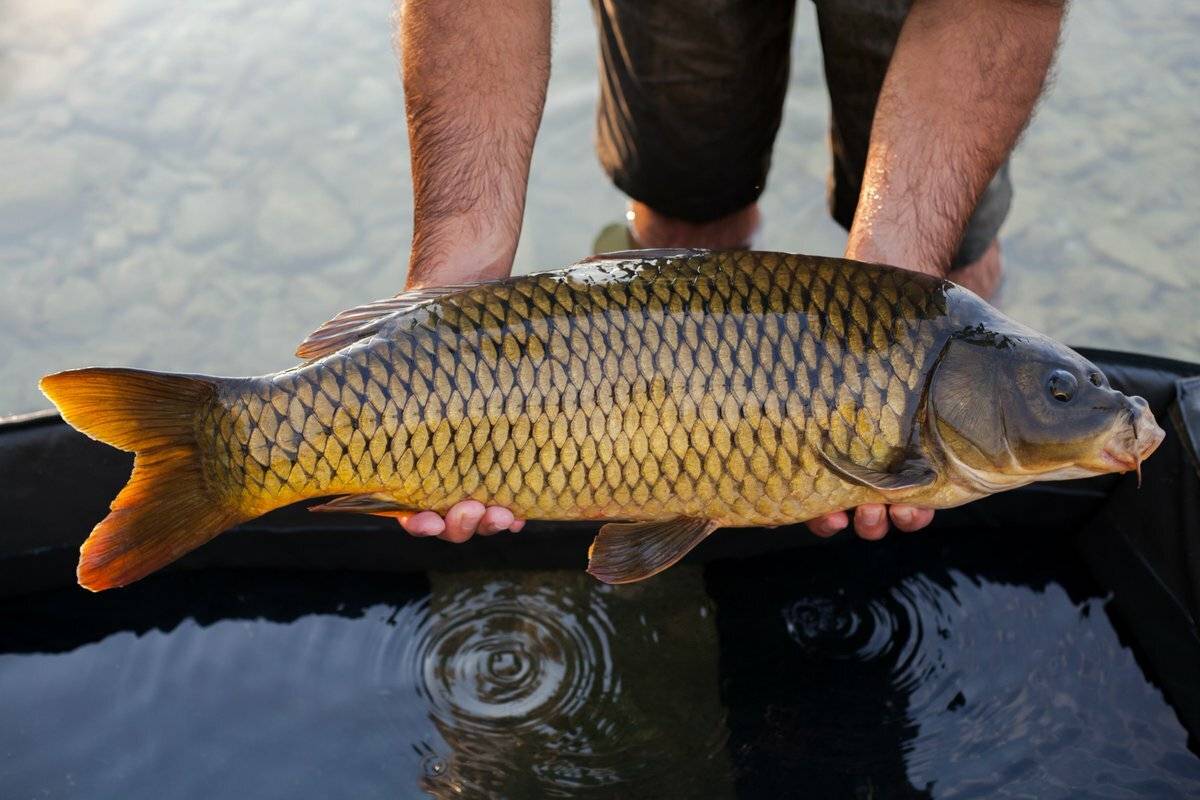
(675, 391)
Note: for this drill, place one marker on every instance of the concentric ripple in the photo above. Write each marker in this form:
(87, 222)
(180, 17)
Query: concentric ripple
(533, 693)
(494, 661)
(888, 629)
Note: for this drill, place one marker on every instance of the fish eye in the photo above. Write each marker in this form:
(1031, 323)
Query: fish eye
(1062, 385)
(1096, 378)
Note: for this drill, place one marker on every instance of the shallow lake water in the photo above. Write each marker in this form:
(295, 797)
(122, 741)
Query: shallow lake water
(934, 666)
(196, 186)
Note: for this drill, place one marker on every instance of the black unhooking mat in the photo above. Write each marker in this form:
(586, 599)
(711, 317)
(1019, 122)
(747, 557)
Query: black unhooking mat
(1141, 544)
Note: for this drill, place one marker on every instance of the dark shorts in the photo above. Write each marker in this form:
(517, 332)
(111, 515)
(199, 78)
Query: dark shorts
(692, 96)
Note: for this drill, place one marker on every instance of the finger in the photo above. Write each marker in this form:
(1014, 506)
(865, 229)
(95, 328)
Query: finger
(423, 523)
(462, 519)
(517, 525)
(911, 518)
(495, 519)
(870, 521)
(829, 524)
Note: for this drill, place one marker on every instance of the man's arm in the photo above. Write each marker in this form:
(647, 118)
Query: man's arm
(960, 88)
(475, 75)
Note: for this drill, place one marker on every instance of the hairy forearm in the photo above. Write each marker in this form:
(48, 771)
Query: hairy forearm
(961, 86)
(475, 74)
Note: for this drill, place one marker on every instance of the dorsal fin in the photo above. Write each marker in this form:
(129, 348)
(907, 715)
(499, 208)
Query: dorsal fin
(367, 320)
(364, 321)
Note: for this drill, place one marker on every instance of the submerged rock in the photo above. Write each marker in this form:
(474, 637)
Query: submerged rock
(207, 217)
(41, 185)
(301, 221)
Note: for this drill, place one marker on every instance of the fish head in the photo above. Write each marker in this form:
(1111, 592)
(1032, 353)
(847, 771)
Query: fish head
(1009, 408)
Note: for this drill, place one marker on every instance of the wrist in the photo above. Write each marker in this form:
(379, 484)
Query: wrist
(878, 244)
(458, 254)
(455, 268)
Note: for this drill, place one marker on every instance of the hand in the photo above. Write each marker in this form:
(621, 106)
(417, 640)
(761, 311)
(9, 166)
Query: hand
(871, 520)
(471, 139)
(462, 521)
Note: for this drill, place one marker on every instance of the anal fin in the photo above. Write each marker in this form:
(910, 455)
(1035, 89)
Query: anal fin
(625, 552)
(379, 504)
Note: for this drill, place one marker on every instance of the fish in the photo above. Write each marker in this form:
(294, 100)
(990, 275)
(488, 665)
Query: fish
(667, 393)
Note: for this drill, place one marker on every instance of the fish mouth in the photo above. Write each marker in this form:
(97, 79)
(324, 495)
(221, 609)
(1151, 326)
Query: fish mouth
(1126, 452)
(1123, 462)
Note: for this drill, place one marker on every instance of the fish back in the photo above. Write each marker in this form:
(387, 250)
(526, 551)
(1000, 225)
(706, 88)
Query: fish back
(708, 385)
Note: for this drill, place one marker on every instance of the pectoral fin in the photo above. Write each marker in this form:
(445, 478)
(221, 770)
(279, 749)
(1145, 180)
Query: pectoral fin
(624, 552)
(379, 504)
(912, 474)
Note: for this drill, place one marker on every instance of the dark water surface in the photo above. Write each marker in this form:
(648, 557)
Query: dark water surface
(945, 665)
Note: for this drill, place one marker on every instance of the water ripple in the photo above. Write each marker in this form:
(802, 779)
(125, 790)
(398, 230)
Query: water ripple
(992, 687)
(493, 662)
(533, 693)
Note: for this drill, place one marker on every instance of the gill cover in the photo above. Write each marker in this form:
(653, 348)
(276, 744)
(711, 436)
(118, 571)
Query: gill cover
(1020, 404)
(966, 407)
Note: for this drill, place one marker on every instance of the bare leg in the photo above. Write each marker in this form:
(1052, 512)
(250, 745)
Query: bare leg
(983, 275)
(652, 229)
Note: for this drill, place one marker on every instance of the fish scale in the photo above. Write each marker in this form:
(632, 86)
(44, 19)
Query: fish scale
(679, 391)
(707, 386)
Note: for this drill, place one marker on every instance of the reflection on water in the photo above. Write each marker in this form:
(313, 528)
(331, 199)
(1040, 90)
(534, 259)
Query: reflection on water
(937, 666)
(995, 675)
(259, 685)
(564, 687)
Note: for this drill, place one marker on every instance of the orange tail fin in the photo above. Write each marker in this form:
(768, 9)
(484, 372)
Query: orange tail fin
(167, 508)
